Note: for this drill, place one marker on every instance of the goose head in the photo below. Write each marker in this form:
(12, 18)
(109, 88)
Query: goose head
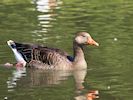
(84, 38)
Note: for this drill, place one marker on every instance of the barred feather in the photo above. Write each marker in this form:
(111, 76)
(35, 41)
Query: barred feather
(42, 56)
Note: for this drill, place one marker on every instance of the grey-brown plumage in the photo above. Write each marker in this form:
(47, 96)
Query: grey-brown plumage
(52, 58)
(39, 56)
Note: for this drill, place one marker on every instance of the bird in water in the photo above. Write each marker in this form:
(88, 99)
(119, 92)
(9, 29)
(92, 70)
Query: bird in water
(42, 57)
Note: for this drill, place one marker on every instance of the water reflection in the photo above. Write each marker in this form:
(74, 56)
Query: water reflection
(90, 95)
(79, 76)
(81, 92)
(46, 5)
(16, 75)
(40, 77)
(46, 16)
(32, 77)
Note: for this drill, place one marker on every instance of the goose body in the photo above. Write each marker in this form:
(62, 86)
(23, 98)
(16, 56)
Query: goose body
(52, 58)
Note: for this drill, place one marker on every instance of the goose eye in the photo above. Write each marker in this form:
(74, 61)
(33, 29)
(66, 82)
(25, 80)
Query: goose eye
(83, 36)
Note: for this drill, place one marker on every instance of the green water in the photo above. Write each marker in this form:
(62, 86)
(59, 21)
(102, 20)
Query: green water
(54, 24)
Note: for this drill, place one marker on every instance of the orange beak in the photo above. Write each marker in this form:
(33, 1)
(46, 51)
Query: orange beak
(92, 42)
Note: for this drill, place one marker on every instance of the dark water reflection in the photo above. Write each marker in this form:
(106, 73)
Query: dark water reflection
(54, 23)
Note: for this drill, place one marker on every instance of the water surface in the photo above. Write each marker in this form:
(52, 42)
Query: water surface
(54, 23)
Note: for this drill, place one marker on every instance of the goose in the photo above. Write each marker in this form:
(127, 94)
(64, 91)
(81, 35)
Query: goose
(42, 57)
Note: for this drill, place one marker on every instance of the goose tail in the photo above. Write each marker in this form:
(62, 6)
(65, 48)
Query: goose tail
(17, 54)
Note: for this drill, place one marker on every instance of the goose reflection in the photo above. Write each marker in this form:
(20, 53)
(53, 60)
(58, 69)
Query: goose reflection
(79, 76)
(90, 95)
(40, 77)
(52, 77)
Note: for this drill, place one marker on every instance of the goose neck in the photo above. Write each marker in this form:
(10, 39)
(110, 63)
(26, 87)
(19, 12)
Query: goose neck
(78, 52)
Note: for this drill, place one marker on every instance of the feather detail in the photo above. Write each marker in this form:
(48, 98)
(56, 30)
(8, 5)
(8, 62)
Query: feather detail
(41, 56)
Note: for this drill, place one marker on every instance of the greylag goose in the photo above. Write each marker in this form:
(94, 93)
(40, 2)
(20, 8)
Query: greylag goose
(37, 56)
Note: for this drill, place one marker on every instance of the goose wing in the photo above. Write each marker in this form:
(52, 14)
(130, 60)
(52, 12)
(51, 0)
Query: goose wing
(40, 53)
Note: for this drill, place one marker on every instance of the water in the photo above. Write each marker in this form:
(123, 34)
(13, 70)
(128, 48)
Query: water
(55, 23)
